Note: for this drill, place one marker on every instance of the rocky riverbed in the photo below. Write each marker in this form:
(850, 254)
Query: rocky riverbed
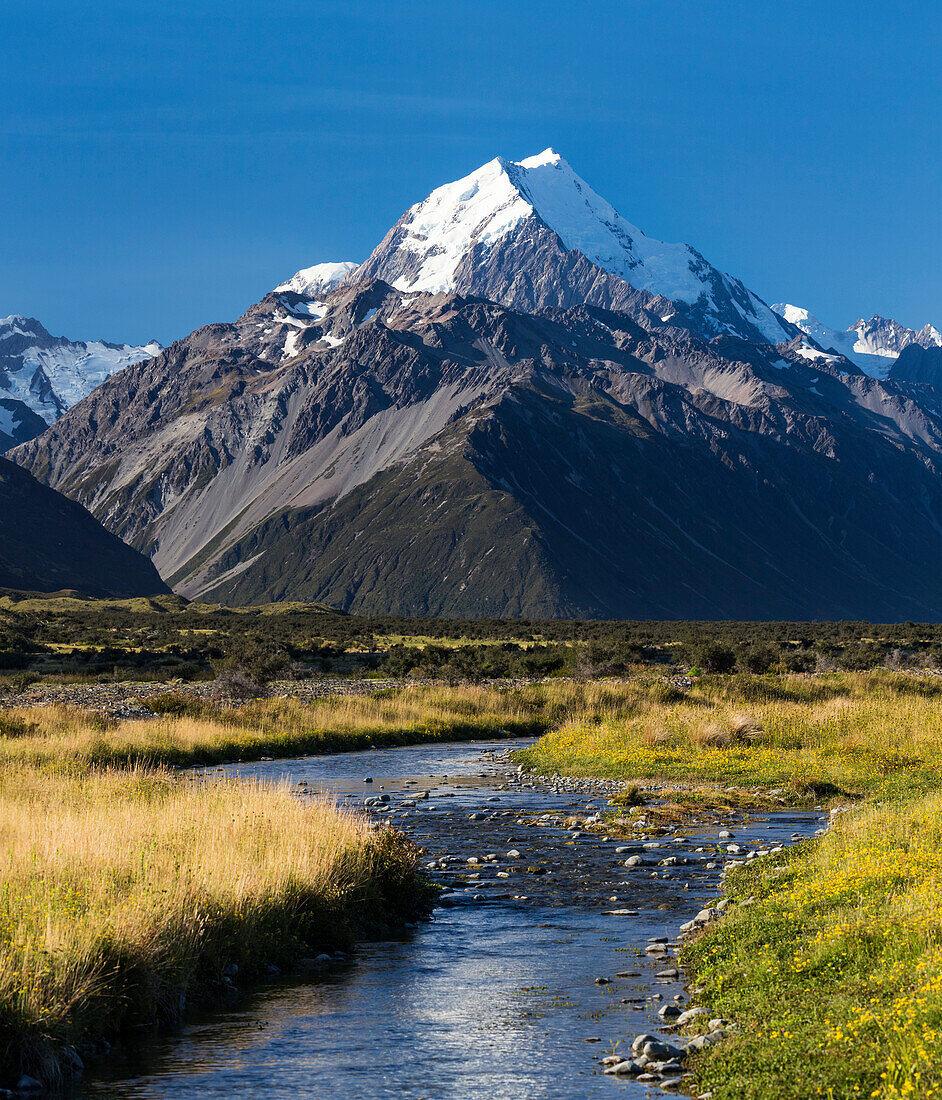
(549, 969)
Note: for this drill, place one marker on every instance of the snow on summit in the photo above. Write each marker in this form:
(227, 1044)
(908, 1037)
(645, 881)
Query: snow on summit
(318, 279)
(491, 202)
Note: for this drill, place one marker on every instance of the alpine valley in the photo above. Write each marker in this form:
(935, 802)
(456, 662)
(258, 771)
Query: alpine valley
(521, 405)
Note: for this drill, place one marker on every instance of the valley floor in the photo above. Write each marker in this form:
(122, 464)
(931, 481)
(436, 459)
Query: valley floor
(126, 885)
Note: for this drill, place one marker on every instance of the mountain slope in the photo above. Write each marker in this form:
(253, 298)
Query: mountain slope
(18, 423)
(50, 374)
(873, 345)
(419, 453)
(48, 542)
(519, 405)
(532, 234)
(918, 364)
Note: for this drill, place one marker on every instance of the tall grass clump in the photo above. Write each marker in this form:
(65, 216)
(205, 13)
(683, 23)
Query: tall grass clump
(126, 893)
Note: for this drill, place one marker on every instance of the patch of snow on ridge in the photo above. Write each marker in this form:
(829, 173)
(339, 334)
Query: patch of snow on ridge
(10, 417)
(319, 278)
(483, 207)
(50, 374)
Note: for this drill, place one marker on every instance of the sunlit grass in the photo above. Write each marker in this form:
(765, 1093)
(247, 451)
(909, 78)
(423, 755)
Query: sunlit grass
(124, 891)
(834, 973)
(863, 733)
(205, 733)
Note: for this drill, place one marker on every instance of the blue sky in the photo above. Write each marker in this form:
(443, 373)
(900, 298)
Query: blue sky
(163, 165)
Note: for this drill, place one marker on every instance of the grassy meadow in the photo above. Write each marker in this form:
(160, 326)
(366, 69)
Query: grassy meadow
(126, 892)
(191, 731)
(834, 972)
(876, 733)
(128, 887)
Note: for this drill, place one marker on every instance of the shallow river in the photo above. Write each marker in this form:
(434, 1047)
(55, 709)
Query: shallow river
(496, 997)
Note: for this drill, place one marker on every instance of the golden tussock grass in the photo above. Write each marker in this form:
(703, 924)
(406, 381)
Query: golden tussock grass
(125, 891)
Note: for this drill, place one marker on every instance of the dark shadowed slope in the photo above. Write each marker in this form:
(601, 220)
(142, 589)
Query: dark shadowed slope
(48, 542)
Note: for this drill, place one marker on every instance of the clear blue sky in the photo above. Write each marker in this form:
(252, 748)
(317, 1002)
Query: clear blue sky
(163, 165)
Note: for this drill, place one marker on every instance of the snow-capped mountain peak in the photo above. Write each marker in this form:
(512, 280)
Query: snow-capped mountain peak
(446, 242)
(318, 279)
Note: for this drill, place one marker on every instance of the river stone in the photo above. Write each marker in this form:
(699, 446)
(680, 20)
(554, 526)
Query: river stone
(668, 1012)
(629, 1066)
(692, 1014)
(657, 1049)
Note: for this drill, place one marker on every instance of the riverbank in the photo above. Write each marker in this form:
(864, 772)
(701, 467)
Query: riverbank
(187, 731)
(827, 957)
(875, 734)
(833, 971)
(130, 894)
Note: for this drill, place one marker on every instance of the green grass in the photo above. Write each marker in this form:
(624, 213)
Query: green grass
(834, 972)
(854, 733)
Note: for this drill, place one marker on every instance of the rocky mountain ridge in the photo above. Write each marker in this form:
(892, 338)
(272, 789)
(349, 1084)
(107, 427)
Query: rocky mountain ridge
(873, 345)
(42, 376)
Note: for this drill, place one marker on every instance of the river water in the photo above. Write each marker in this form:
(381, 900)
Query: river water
(495, 998)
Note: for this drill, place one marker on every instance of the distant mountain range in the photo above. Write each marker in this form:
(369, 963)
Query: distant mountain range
(42, 376)
(873, 345)
(521, 405)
